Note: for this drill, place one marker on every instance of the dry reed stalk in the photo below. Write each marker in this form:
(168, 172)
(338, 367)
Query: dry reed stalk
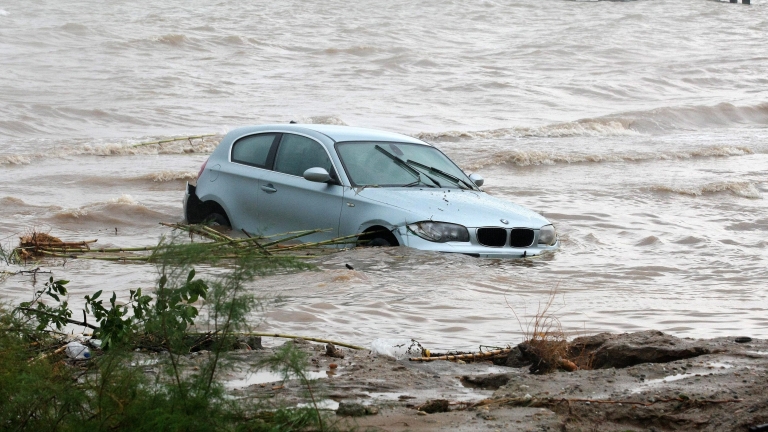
(545, 343)
(186, 138)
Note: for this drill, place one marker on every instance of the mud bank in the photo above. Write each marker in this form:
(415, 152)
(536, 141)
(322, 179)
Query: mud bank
(722, 385)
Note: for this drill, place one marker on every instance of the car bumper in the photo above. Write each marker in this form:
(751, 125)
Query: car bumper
(474, 248)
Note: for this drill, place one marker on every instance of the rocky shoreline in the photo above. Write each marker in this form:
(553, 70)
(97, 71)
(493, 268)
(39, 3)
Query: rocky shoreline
(652, 382)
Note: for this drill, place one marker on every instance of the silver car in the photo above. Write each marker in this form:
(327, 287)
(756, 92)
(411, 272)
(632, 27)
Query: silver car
(392, 189)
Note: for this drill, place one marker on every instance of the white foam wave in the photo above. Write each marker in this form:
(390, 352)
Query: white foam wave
(589, 128)
(738, 188)
(14, 160)
(180, 146)
(124, 199)
(325, 120)
(167, 176)
(628, 123)
(529, 158)
(3, 12)
(174, 39)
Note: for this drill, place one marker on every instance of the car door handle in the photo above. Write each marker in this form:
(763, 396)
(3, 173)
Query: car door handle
(269, 188)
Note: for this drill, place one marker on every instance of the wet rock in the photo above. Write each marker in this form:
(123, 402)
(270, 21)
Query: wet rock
(332, 351)
(743, 339)
(514, 359)
(492, 382)
(347, 409)
(434, 406)
(605, 350)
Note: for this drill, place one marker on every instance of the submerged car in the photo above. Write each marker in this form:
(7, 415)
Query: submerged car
(392, 189)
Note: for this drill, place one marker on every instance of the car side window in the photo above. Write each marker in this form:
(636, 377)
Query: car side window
(253, 150)
(296, 154)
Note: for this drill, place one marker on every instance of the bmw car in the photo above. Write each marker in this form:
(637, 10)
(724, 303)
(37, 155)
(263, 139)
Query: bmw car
(384, 188)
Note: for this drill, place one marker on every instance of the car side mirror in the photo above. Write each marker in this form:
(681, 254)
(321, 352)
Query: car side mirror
(477, 179)
(317, 174)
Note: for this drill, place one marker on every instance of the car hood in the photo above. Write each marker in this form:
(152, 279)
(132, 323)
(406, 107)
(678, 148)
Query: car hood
(468, 208)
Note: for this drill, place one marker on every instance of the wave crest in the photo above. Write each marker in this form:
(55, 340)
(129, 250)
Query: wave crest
(168, 176)
(738, 188)
(180, 146)
(14, 160)
(529, 158)
(589, 128)
(173, 39)
(324, 120)
(628, 123)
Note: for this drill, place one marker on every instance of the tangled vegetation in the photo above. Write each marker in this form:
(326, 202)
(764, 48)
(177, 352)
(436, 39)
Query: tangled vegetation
(42, 390)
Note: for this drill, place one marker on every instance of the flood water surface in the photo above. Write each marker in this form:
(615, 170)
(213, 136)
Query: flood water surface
(640, 129)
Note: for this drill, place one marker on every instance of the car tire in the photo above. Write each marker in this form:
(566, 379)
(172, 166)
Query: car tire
(217, 219)
(380, 242)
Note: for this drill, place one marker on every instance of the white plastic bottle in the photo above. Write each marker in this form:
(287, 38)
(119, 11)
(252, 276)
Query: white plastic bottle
(78, 351)
(397, 348)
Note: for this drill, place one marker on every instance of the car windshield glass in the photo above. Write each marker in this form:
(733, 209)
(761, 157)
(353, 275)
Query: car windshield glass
(397, 164)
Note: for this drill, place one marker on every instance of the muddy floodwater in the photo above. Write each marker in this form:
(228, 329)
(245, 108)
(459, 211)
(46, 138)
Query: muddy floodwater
(640, 129)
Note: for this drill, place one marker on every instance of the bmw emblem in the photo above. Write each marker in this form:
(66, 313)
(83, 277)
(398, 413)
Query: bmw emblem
(504, 221)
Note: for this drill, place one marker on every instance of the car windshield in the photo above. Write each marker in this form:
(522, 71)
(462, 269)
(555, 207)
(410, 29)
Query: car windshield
(399, 164)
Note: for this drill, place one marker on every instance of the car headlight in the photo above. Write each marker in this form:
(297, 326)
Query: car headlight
(440, 232)
(547, 235)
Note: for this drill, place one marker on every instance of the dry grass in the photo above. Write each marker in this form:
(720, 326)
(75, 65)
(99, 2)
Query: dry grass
(545, 344)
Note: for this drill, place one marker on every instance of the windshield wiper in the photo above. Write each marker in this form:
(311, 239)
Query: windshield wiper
(405, 165)
(442, 173)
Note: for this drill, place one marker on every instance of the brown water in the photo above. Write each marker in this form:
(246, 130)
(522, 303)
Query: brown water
(639, 128)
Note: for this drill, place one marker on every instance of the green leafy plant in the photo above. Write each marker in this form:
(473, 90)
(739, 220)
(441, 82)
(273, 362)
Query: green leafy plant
(40, 392)
(115, 323)
(46, 315)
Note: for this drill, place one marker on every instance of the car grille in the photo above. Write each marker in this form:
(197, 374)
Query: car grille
(521, 237)
(495, 237)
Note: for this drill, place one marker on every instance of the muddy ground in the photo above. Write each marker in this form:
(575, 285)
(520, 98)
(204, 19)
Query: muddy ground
(723, 389)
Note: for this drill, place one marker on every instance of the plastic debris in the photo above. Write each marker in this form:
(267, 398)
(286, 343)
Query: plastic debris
(78, 351)
(397, 348)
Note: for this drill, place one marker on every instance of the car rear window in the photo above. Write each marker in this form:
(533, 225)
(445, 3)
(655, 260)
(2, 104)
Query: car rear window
(253, 150)
(297, 154)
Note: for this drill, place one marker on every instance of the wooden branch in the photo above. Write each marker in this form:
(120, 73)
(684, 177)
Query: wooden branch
(287, 336)
(471, 356)
(71, 321)
(172, 140)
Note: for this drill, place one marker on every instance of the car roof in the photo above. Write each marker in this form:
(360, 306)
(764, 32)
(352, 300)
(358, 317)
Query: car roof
(335, 132)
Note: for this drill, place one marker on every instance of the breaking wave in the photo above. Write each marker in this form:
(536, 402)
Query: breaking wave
(15, 160)
(168, 176)
(559, 130)
(116, 210)
(629, 123)
(742, 189)
(174, 39)
(324, 120)
(178, 146)
(529, 158)
(3, 12)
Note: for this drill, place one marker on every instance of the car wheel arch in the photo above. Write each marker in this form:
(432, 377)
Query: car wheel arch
(376, 232)
(201, 211)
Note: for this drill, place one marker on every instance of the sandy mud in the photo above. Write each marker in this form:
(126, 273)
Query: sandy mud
(719, 385)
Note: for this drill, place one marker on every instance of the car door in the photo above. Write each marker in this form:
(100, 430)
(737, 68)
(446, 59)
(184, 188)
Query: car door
(250, 155)
(289, 202)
